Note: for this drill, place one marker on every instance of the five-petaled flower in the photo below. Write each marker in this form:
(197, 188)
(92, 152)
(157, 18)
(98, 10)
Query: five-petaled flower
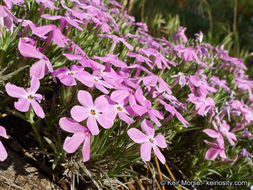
(81, 135)
(148, 141)
(93, 111)
(26, 97)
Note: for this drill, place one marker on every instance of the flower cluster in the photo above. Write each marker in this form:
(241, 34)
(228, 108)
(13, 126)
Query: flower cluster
(138, 78)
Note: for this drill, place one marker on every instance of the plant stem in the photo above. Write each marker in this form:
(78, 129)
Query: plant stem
(37, 135)
(151, 171)
(159, 171)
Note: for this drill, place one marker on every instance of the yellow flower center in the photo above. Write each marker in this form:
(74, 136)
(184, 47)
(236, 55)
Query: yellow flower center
(86, 133)
(119, 108)
(30, 97)
(92, 112)
(150, 140)
(95, 80)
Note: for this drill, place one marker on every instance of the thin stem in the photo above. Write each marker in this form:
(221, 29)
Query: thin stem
(159, 171)
(151, 171)
(37, 135)
(171, 175)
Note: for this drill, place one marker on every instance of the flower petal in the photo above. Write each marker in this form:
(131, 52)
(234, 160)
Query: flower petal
(86, 149)
(148, 128)
(71, 144)
(104, 121)
(22, 105)
(212, 153)
(101, 103)
(159, 155)
(37, 109)
(3, 153)
(70, 125)
(85, 98)
(35, 84)
(160, 141)
(211, 133)
(79, 113)
(38, 69)
(146, 151)
(3, 132)
(92, 125)
(15, 91)
(126, 118)
(136, 135)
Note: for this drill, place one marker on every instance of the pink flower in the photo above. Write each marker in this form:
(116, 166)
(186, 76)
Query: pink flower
(6, 18)
(117, 39)
(26, 97)
(48, 3)
(120, 109)
(174, 112)
(202, 86)
(93, 111)
(146, 107)
(3, 153)
(10, 3)
(93, 80)
(122, 94)
(64, 21)
(55, 34)
(81, 135)
(27, 48)
(203, 104)
(113, 59)
(224, 130)
(217, 149)
(148, 141)
(68, 76)
(179, 34)
(140, 58)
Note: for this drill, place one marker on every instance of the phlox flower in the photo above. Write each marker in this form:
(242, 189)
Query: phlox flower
(203, 104)
(64, 21)
(174, 112)
(48, 3)
(148, 141)
(10, 3)
(117, 39)
(3, 153)
(224, 130)
(120, 109)
(113, 59)
(203, 88)
(94, 80)
(189, 55)
(6, 18)
(55, 34)
(27, 48)
(217, 149)
(81, 135)
(246, 154)
(146, 107)
(122, 94)
(140, 58)
(95, 112)
(68, 76)
(26, 97)
(180, 34)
